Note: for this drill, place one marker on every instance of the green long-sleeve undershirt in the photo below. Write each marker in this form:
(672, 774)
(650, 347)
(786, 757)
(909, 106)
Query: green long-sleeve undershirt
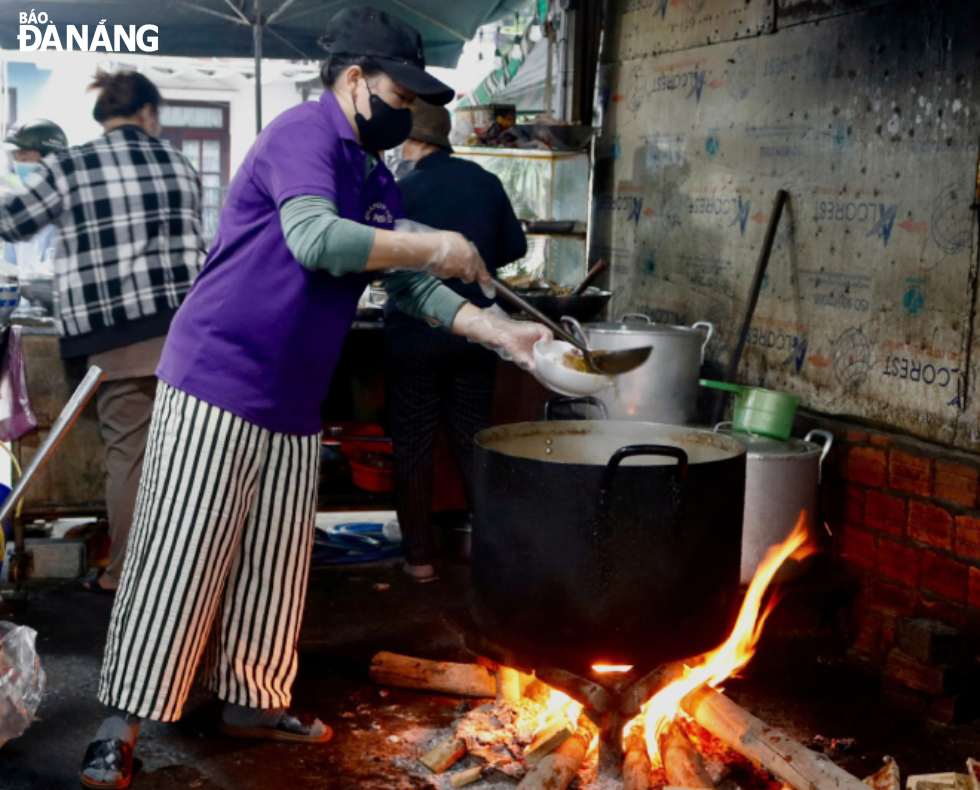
(321, 240)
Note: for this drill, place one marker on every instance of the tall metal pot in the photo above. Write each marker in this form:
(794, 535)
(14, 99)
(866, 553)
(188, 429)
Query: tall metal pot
(781, 481)
(609, 542)
(664, 389)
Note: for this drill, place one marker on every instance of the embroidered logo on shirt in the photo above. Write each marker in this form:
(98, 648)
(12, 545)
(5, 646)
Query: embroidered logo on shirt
(379, 214)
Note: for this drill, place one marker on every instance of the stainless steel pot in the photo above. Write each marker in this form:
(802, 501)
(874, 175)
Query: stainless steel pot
(665, 388)
(781, 481)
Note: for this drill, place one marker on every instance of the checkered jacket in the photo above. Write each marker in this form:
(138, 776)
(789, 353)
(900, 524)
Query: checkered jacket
(127, 211)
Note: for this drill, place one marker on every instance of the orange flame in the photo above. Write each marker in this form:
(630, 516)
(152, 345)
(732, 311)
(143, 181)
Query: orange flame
(560, 704)
(739, 648)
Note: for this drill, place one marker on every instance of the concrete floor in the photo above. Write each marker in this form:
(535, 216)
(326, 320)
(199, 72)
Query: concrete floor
(796, 682)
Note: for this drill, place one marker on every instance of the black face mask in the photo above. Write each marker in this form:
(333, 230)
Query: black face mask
(387, 127)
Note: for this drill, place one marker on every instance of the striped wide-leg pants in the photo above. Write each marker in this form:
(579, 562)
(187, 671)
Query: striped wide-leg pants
(220, 550)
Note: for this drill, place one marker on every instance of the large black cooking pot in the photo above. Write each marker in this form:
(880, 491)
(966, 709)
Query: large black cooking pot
(612, 542)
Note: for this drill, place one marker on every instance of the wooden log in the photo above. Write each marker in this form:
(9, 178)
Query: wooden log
(468, 777)
(611, 752)
(445, 755)
(681, 761)
(914, 674)
(548, 738)
(637, 770)
(888, 778)
(559, 769)
(466, 680)
(774, 750)
(973, 769)
(945, 781)
(508, 685)
(928, 641)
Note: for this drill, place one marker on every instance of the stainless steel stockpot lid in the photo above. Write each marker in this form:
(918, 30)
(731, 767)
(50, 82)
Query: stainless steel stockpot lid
(635, 327)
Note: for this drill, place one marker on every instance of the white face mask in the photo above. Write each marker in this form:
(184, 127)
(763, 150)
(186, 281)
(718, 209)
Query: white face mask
(24, 169)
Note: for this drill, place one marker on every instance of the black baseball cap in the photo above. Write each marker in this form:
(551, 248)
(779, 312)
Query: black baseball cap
(396, 46)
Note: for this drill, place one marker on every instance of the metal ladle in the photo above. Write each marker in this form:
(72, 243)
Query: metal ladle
(611, 363)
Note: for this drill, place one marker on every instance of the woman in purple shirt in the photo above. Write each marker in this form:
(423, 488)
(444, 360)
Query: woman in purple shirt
(221, 541)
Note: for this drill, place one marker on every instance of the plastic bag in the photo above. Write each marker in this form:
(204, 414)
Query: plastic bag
(21, 680)
(16, 415)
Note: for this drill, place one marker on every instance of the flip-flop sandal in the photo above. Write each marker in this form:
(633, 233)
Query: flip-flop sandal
(278, 733)
(91, 584)
(112, 755)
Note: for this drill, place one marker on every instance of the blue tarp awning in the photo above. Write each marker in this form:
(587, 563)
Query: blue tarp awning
(224, 28)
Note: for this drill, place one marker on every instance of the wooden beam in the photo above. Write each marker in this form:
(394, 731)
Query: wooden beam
(774, 750)
(548, 738)
(468, 777)
(682, 763)
(466, 680)
(559, 769)
(445, 755)
(637, 770)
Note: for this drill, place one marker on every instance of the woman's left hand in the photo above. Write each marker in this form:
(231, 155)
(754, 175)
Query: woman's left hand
(512, 340)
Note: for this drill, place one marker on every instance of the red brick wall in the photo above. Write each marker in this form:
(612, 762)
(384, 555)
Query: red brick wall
(905, 518)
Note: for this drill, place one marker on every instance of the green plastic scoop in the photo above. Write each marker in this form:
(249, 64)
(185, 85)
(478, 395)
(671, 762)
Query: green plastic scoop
(757, 410)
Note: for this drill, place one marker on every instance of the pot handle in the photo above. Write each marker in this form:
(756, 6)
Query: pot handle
(736, 426)
(828, 442)
(635, 315)
(588, 400)
(721, 385)
(708, 327)
(605, 490)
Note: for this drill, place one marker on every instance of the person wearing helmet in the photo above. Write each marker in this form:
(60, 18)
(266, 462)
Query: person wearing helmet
(29, 143)
(220, 551)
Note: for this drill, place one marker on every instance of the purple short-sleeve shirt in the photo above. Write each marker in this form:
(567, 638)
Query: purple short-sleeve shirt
(259, 335)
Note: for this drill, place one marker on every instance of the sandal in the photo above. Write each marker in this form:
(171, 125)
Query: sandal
(420, 574)
(91, 584)
(288, 730)
(114, 755)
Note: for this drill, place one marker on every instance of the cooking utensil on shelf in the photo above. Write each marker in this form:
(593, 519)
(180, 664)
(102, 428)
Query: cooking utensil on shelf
(757, 410)
(583, 307)
(598, 269)
(610, 364)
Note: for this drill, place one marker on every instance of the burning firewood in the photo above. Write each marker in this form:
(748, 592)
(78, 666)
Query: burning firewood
(469, 776)
(559, 769)
(548, 738)
(947, 781)
(682, 763)
(789, 761)
(888, 778)
(637, 771)
(508, 685)
(499, 734)
(445, 755)
(973, 768)
(466, 680)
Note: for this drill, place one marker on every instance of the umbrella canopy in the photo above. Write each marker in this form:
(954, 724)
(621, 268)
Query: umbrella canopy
(224, 28)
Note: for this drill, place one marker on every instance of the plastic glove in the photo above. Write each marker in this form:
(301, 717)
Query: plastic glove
(455, 256)
(511, 340)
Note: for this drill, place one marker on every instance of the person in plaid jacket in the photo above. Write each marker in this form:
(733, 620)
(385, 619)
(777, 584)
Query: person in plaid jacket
(126, 208)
